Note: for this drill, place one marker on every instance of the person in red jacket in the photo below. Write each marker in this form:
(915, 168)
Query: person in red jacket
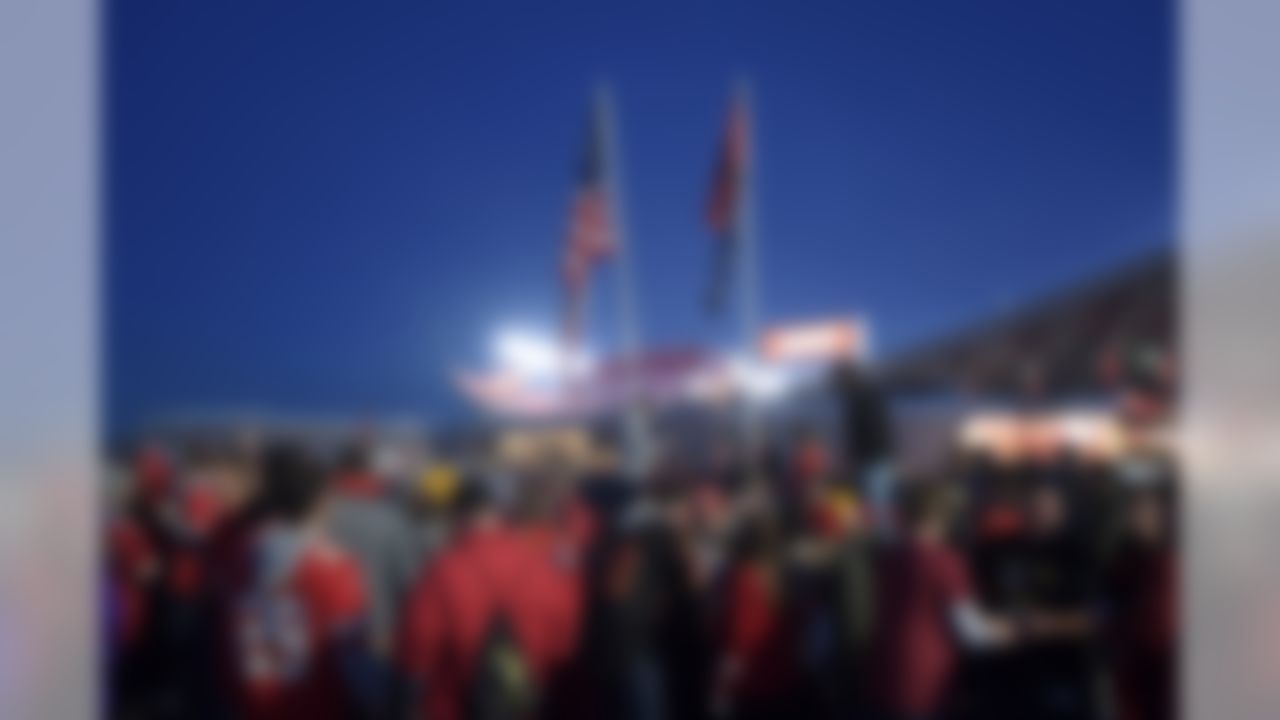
(140, 545)
(491, 580)
(759, 673)
(298, 605)
(925, 604)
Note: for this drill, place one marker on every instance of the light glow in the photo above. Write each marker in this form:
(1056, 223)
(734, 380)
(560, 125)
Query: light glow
(538, 357)
(761, 382)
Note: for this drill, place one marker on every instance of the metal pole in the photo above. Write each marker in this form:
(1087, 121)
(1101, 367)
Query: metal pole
(637, 451)
(748, 288)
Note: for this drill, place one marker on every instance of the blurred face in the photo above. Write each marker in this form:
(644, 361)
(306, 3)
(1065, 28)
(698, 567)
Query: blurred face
(933, 525)
(1146, 519)
(541, 495)
(1048, 511)
(232, 484)
(934, 517)
(709, 508)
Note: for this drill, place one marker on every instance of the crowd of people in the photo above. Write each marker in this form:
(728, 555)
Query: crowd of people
(278, 582)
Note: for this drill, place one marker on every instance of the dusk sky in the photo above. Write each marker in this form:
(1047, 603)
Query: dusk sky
(327, 207)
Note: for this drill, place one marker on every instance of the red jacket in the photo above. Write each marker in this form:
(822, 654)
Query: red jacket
(761, 637)
(132, 557)
(287, 635)
(918, 584)
(522, 573)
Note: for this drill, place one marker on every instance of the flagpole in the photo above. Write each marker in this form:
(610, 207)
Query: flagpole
(748, 287)
(636, 455)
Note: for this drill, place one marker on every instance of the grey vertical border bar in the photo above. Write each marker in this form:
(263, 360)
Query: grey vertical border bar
(48, 358)
(1229, 207)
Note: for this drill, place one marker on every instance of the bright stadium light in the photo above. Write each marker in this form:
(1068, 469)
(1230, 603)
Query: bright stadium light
(761, 382)
(536, 356)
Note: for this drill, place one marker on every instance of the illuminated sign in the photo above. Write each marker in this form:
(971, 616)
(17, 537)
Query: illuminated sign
(823, 341)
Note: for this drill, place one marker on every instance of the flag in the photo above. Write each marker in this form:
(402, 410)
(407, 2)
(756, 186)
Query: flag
(590, 237)
(724, 199)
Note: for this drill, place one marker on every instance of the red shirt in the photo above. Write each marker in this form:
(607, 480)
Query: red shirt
(285, 636)
(132, 558)
(200, 513)
(359, 484)
(523, 574)
(201, 510)
(760, 637)
(919, 584)
(809, 464)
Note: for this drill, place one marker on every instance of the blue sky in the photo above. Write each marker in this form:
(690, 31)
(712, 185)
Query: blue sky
(325, 206)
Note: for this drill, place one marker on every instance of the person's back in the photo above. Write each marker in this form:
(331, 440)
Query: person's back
(296, 609)
(490, 578)
(996, 684)
(917, 584)
(758, 673)
(366, 523)
(141, 543)
(925, 607)
(1058, 591)
(291, 622)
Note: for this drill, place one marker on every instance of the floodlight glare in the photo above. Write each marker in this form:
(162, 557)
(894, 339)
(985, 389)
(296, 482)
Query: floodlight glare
(761, 382)
(536, 356)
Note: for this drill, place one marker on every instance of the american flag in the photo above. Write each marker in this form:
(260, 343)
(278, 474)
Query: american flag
(724, 198)
(726, 180)
(590, 238)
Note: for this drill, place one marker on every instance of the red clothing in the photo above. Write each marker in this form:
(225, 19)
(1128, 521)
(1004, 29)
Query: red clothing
(524, 574)
(132, 559)
(1143, 593)
(760, 638)
(227, 564)
(919, 583)
(153, 475)
(225, 555)
(286, 636)
(809, 464)
(1001, 522)
(201, 510)
(186, 578)
(200, 513)
(359, 484)
(566, 539)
